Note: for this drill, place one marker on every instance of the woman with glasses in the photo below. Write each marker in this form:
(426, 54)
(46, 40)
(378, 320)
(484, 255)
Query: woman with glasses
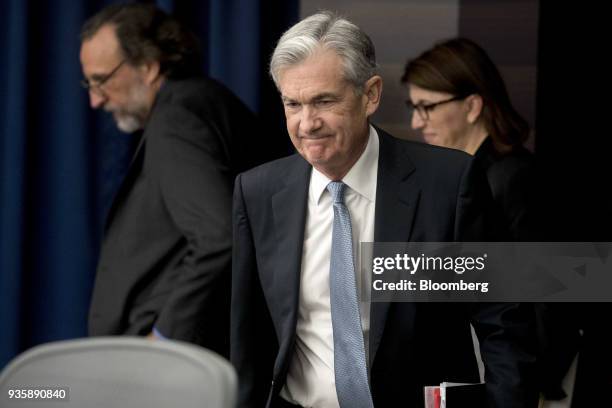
(458, 99)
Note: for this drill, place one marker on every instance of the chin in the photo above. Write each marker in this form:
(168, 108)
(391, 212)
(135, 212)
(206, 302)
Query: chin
(128, 124)
(316, 153)
(434, 140)
(316, 161)
(430, 139)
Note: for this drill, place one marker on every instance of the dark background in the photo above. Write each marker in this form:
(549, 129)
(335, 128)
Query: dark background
(573, 144)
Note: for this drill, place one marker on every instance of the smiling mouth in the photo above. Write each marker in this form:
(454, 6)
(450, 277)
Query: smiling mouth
(311, 137)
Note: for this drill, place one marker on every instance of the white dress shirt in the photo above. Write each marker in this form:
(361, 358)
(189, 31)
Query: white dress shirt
(310, 378)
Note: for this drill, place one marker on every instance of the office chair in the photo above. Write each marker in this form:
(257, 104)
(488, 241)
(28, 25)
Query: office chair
(118, 372)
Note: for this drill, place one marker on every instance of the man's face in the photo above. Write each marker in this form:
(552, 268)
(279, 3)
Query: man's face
(116, 86)
(327, 119)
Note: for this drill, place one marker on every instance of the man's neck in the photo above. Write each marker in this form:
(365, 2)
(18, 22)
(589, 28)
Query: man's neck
(154, 93)
(475, 139)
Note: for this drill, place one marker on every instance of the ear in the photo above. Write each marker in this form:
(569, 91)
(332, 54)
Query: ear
(474, 106)
(372, 91)
(151, 71)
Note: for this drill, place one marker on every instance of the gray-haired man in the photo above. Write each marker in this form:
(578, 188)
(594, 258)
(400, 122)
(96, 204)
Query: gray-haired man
(300, 333)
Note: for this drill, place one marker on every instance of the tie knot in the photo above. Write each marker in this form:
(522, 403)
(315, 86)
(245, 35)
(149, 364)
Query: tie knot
(336, 188)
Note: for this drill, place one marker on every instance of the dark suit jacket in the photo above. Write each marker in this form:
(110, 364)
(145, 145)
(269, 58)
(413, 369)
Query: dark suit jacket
(166, 253)
(424, 193)
(512, 178)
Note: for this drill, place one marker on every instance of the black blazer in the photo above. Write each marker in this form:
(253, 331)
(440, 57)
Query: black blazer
(424, 193)
(166, 253)
(513, 181)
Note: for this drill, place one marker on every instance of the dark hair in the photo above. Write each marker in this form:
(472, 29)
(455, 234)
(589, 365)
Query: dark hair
(145, 34)
(460, 67)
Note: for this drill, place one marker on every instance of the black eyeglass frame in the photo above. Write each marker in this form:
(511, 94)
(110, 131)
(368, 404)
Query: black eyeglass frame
(93, 85)
(424, 109)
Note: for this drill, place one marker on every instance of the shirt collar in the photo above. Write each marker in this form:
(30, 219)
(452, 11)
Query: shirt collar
(361, 178)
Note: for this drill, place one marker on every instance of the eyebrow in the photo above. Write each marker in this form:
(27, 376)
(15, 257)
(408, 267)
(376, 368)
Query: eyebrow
(327, 95)
(285, 99)
(97, 77)
(421, 102)
(316, 98)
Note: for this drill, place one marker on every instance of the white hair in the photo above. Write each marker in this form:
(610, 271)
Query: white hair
(326, 30)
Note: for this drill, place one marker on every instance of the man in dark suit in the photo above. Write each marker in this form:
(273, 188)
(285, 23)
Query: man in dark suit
(300, 335)
(164, 266)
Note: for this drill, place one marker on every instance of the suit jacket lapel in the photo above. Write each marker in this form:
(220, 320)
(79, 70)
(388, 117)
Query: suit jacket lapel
(136, 163)
(289, 206)
(133, 171)
(397, 197)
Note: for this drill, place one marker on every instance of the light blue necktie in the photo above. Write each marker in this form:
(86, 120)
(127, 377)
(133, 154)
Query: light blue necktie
(349, 352)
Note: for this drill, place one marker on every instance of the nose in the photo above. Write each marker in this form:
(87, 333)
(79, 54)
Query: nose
(96, 99)
(416, 121)
(309, 121)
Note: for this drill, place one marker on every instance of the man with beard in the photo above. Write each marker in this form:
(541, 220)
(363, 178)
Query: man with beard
(164, 266)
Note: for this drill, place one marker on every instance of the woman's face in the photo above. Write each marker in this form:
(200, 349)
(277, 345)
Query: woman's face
(442, 124)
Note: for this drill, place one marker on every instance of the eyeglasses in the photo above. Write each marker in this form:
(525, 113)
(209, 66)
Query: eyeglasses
(96, 84)
(424, 109)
